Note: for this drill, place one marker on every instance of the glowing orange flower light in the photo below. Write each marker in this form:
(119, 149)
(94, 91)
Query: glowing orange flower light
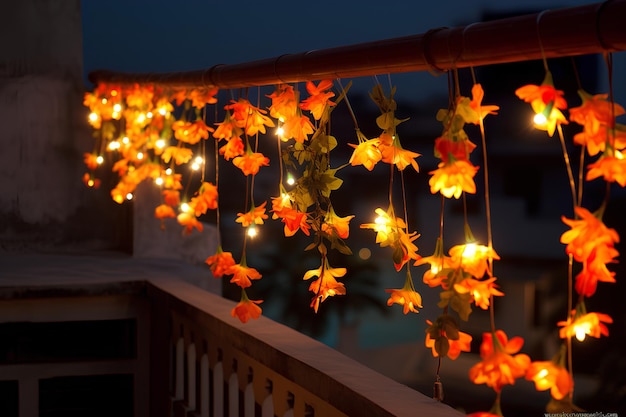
(407, 297)
(220, 263)
(326, 285)
(246, 309)
(589, 324)
(500, 364)
(549, 375)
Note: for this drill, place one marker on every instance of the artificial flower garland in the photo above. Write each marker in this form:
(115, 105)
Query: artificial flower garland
(137, 125)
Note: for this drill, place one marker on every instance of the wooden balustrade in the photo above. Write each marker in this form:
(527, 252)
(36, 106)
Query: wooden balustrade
(188, 357)
(222, 367)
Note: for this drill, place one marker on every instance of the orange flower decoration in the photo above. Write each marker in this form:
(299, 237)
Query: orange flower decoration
(595, 111)
(392, 231)
(250, 162)
(449, 150)
(205, 199)
(242, 274)
(585, 234)
(220, 263)
(457, 341)
(336, 226)
(191, 132)
(500, 364)
(546, 101)
(407, 297)
(439, 264)
(189, 220)
(227, 129)
(284, 102)
(256, 215)
(392, 152)
(549, 375)
(589, 324)
(177, 154)
(319, 98)
(611, 168)
(595, 141)
(480, 290)
(476, 104)
(594, 269)
(246, 309)
(366, 153)
(473, 258)
(91, 160)
(201, 96)
(453, 179)
(233, 148)
(164, 211)
(298, 128)
(171, 197)
(326, 285)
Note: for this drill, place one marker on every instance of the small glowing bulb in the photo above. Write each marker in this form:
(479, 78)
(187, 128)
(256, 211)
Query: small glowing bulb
(252, 232)
(141, 118)
(199, 160)
(90, 182)
(125, 140)
(581, 331)
(160, 143)
(290, 179)
(117, 107)
(114, 145)
(139, 155)
(162, 111)
(543, 373)
(104, 101)
(618, 154)
(99, 159)
(280, 131)
(93, 117)
(195, 166)
(380, 220)
(113, 93)
(158, 181)
(184, 207)
(149, 115)
(129, 196)
(168, 171)
(540, 119)
(470, 250)
(435, 269)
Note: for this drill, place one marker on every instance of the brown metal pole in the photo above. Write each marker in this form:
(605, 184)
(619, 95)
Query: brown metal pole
(589, 29)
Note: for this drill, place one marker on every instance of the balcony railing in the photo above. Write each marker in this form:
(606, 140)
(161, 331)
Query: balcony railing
(188, 355)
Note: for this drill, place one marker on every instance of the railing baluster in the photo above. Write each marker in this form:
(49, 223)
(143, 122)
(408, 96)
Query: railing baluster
(233, 392)
(218, 387)
(204, 382)
(249, 397)
(191, 377)
(267, 409)
(179, 385)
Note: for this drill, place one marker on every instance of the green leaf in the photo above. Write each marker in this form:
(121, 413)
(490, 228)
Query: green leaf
(442, 346)
(461, 304)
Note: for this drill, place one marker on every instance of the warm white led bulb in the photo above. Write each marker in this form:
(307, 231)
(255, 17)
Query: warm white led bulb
(540, 119)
